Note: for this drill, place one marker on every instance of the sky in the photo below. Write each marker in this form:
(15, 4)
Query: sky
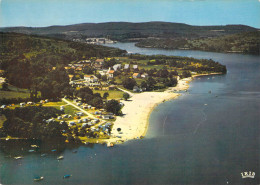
(41, 13)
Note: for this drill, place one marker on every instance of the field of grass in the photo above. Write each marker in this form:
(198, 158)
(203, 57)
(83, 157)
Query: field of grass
(14, 94)
(50, 104)
(113, 94)
(68, 109)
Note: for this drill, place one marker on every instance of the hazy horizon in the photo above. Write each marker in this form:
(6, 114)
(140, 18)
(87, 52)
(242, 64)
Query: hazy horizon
(120, 22)
(43, 13)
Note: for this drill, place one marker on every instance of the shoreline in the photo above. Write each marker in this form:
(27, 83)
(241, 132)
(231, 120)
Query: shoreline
(134, 123)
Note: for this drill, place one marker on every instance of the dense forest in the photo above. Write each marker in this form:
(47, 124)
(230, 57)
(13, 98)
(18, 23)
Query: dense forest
(30, 122)
(238, 43)
(28, 62)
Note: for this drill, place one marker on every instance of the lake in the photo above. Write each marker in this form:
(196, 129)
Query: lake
(199, 138)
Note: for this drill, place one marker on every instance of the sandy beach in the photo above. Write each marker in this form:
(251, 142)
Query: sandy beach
(135, 121)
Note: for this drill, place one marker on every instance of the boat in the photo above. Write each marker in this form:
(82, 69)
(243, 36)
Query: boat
(60, 157)
(18, 157)
(66, 176)
(31, 150)
(43, 155)
(54, 150)
(34, 146)
(38, 178)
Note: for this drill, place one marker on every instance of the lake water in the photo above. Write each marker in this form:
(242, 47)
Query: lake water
(200, 138)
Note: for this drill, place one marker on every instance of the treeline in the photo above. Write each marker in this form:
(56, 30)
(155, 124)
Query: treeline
(30, 123)
(237, 43)
(5, 101)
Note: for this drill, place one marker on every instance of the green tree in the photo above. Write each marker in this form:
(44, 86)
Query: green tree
(129, 83)
(113, 106)
(150, 83)
(105, 95)
(126, 96)
(5, 86)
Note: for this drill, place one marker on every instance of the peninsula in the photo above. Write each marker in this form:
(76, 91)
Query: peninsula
(80, 93)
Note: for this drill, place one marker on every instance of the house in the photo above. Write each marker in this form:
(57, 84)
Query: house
(100, 61)
(145, 75)
(117, 66)
(103, 72)
(135, 66)
(85, 62)
(97, 66)
(111, 74)
(91, 78)
(126, 66)
(136, 75)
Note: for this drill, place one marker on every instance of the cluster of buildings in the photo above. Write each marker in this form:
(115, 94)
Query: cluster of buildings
(95, 40)
(98, 66)
(99, 41)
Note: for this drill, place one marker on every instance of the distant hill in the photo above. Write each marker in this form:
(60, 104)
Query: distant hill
(126, 31)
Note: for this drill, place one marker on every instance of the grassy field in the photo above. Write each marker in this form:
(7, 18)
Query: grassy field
(68, 109)
(50, 104)
(14, 94)
(113, 94)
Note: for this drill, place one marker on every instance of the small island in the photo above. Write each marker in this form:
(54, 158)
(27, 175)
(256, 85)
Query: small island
(78, 93)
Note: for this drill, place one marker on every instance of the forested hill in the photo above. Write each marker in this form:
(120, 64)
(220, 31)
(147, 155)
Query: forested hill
(28, 61)
(52, 50)
(125, 31)
(248, 43)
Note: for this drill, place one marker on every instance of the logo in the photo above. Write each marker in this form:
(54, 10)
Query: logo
(248, 175)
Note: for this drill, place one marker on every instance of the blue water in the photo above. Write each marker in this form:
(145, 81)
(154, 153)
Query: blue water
(199, 138)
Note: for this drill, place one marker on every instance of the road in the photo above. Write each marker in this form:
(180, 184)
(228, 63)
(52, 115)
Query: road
(131, 94)
(77, 107)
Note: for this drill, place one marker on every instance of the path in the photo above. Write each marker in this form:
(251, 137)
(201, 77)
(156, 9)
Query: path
(131, 94)
(77, 107)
